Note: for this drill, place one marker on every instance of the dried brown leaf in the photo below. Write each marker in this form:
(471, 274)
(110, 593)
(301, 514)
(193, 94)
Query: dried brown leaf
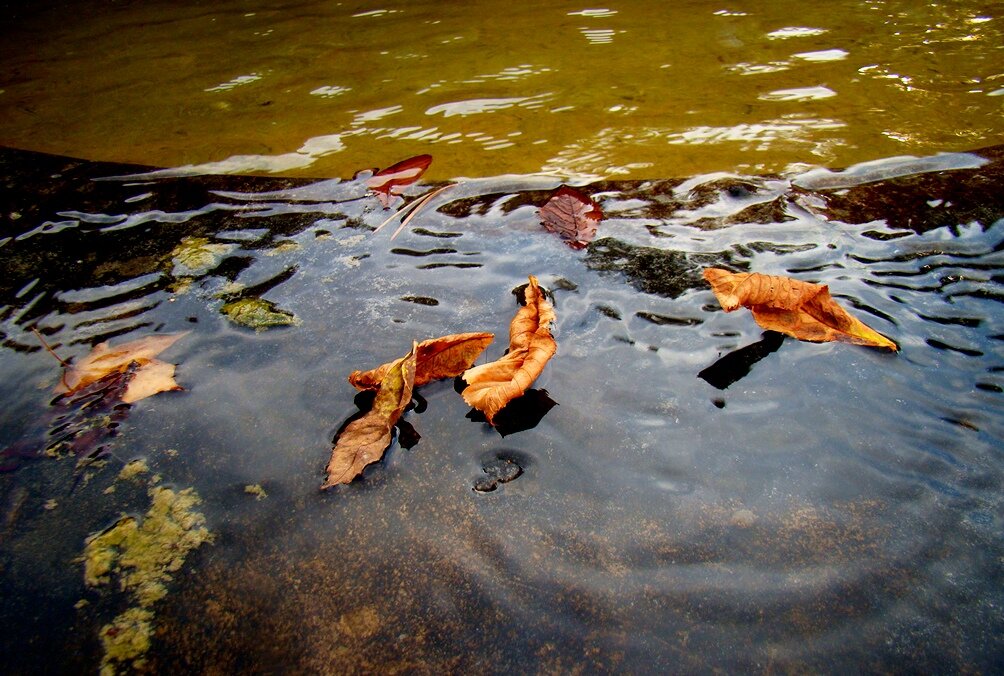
(103, 360)
(151, 378)
(799, 309)
(436, 358)
(493, 385)
(364, 441)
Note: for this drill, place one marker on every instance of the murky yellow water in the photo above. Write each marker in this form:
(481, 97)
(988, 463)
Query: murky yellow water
(633, 89)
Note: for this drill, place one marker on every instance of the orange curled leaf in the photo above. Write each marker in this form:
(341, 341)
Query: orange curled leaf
(436, 358)
(364, 441)
(572, 215)
(493, 385)
(151, 376)
(389, 181)
(799, 309)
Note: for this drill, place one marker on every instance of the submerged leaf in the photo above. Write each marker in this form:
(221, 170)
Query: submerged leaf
(572, 215)
(493, 385)
(799, 309)
(389, 181)
(156, 376)
(151, 375)
(436, 358)
(364, 441)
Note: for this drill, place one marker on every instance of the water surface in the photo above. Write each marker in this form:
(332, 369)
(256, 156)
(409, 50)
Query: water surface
(702, 497)
(630, 90)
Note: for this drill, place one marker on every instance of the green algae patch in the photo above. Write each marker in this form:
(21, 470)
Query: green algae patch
(126, 639)
(195, 256)
(133, 469)
(256, 490)
(143, 555)
(284, 247)
(258, 314)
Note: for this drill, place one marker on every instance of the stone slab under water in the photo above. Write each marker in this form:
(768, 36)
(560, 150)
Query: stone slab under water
(686, 494)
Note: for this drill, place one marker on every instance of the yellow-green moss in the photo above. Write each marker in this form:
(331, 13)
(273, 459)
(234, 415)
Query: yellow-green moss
(256, 490)
(257, 314)
(142, 556)
(195, 256)
(126, 639)
(133, 469)
(285, 246)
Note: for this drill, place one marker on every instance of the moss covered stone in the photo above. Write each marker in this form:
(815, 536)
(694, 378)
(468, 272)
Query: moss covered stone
(258, 314)
(195, 256)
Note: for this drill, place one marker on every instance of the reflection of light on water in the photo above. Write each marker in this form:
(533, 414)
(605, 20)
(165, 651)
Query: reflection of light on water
(591, 158)
(822, 55)
(330, 91)
(236, 82)
(798, 94)
(759, 68)
(728, 12)
(374, 115)
(508, 74)
(475, 106)
(756, 136)
(375, 12)
(598, 36)
(594, 13)
(794, 32)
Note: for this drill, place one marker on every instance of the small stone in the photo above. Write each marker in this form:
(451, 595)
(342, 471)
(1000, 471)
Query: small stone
(499, 471)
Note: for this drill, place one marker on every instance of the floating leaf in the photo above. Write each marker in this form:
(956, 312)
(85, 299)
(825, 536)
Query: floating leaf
(436, 358)
(799, 309)
(364, 441)
(389, 181)
(493, 385)
(572, 215)
(150, 377)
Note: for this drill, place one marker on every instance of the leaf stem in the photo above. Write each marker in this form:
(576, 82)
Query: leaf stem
(48, 348)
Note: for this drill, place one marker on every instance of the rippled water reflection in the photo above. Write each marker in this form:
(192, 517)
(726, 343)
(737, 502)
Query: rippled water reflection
(703, 496)
(630, 91)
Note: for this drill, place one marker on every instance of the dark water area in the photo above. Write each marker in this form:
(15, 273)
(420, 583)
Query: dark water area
(698, 495)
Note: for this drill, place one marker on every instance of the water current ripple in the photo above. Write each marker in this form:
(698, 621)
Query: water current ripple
(704, 496)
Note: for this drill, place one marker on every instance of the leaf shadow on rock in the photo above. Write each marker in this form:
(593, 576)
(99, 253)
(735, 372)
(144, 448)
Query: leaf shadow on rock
(736, 365)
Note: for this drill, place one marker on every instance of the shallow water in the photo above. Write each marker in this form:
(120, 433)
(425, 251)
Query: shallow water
(631, 90)
(815, 507)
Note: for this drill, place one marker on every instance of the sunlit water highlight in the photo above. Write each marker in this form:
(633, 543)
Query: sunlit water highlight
(326, 89)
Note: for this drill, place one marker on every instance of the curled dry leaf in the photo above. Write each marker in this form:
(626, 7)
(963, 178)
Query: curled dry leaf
(151, 375)
(436, 358)
(389, 181)
(493, 385)
(799, 309)
(572, 215)
(364, 441)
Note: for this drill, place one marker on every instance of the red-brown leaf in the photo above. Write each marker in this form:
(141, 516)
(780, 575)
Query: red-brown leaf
(389, 181)
(572, 215)
(364, 441)
(436, 358)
